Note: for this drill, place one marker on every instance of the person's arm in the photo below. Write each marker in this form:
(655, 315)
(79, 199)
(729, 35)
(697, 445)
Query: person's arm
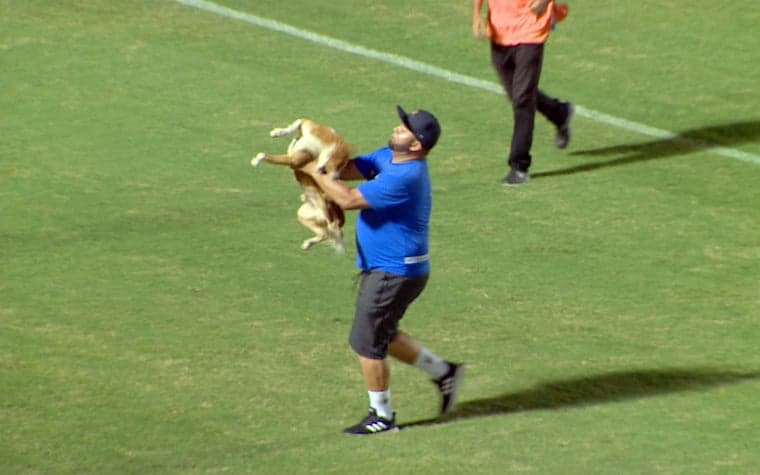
(344, 196)
(340, 193)
(538, 7)
(351, 172)
(478, 23)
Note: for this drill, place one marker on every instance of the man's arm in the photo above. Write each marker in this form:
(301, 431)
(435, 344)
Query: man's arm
(336, 190)
(351, 172)
(478, 24)
(340, 193)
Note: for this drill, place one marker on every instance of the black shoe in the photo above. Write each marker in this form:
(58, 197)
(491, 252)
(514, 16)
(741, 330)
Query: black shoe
(515, 177)
(373, 424)
(448, 386)
(563, 131)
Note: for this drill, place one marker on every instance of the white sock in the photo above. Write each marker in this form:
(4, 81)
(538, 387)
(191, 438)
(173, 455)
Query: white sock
(431, 363)
(380, 401)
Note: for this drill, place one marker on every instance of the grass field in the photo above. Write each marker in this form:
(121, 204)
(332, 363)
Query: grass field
(158, 316)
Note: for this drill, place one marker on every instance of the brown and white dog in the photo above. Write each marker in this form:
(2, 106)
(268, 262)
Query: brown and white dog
(314, 141)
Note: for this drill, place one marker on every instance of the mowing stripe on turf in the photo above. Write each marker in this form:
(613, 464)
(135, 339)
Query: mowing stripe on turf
(453, 77)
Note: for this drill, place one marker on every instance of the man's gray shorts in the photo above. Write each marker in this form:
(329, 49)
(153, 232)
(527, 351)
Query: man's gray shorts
(383, 298)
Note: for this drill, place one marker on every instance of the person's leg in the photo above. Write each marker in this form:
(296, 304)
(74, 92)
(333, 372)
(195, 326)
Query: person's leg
(528, 59)
(377, 374)
(446, 375)
(503, 64)
(370, 334)
(503, 61)
(558, 113)
(407, 349)
(551, 108)
(382, 301)
(404, 348)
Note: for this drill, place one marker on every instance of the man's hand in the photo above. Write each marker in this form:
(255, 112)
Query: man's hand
(478, 27)
(561, 10)
(479, 30)
(336, 190)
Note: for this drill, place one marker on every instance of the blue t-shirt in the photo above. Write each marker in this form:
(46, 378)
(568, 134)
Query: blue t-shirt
(392, 234)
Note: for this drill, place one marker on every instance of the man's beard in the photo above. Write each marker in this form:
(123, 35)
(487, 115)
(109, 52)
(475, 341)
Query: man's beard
(397, 147)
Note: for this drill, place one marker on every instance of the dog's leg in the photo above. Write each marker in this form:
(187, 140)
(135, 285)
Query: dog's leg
(309, 216)
(296, 159)
(260, 157)
(324, 156)
(338, 244)
(335, 235)
(289, 130)
(309, 243)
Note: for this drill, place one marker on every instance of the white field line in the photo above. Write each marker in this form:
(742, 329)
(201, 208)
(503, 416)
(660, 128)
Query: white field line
(457, 78)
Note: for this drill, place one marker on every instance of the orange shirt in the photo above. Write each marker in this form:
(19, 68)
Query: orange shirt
(510, 22)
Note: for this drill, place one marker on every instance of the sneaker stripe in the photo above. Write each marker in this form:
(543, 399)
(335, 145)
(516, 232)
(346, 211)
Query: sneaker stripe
(448, 385)
(376, 426)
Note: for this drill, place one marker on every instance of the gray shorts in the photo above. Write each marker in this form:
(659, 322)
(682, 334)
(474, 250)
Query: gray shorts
(383, 298)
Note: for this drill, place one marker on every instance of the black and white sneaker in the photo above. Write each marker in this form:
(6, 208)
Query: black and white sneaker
(515, 177)
(563, 131)
(448, 386)
(373, 424)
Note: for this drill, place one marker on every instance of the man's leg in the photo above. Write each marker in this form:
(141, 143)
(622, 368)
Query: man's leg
(551, 108)
(559, 113)
(377, 376)
(528, 60)
(503, 64)
(372, 329)
(503, 61)
(377, 373)
(381, 418)
(446, 375)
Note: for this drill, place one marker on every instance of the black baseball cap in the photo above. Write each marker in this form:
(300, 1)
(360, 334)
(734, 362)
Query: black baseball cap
(423, 125)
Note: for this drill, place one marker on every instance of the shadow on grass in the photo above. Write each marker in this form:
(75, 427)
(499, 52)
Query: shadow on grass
(598, 389)
(689, 141)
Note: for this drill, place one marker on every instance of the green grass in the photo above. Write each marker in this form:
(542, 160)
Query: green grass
(158, 316)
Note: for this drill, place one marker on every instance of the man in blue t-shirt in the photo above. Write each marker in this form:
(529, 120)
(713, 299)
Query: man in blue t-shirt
(393, 255)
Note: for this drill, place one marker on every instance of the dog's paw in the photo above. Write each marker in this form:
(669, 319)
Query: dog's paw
(258, 159)
(279, 132)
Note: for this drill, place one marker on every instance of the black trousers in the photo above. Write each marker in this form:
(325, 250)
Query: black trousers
(519, 69)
